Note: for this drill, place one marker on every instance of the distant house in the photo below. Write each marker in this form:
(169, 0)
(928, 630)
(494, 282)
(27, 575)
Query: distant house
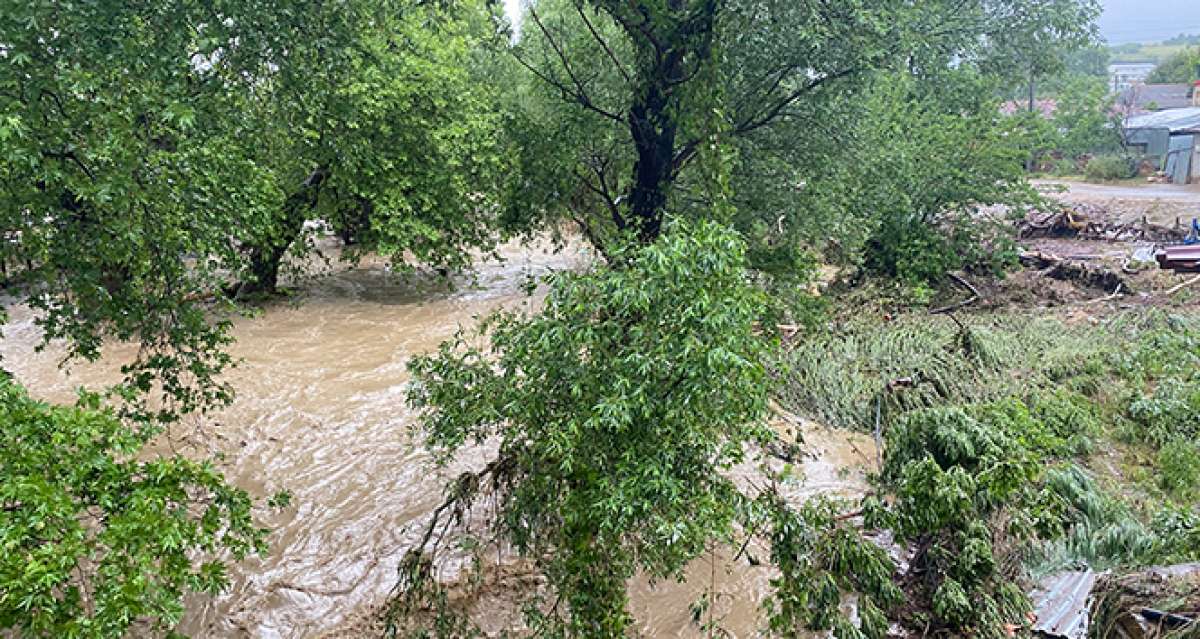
(1143, 98)
(1170, 136)
(1124, 75)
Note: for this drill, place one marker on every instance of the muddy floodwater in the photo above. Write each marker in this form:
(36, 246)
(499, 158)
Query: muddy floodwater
(320, 412)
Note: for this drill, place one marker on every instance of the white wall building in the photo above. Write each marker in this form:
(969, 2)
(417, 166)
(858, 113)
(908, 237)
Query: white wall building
(1123, 75)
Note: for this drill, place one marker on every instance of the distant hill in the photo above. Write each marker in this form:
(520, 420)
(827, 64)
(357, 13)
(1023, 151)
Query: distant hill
(1149, 21)
(1157, 52)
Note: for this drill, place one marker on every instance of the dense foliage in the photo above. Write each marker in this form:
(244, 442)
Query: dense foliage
(771, 94)
(1182, 66)
(1085, 120)
(640, 121)
(616, 410)
(375, 123)
(155, 158)
(157, 163)
(988, 456)
(926, 192)
(95, 539)
(163, 163)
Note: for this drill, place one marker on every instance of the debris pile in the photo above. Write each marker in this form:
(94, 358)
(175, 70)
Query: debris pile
(1094, 222)
(1157, 603)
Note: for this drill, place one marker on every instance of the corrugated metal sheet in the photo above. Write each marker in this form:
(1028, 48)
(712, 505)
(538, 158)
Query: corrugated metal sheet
(1154, 141)
(1061, 604)
(1179, 158)
(1175, 120)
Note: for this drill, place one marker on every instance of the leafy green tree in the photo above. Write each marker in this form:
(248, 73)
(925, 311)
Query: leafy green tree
(617, 411)
(1085, 119)
(155, 157)
(1088, 62)
(1038, 38)
(379, 128)
(923, 192)
(1091, 61)
(1179, 67)
(125, 171)
(94, 539)
(776, 112)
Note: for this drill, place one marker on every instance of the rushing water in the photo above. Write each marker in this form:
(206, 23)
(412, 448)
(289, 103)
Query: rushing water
(320, 412)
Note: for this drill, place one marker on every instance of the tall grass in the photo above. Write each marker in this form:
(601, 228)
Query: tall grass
(1126, 372)
(839, 378)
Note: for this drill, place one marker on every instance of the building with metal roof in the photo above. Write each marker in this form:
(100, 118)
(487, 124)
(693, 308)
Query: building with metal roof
(1171, 136)
(1185, 120)
(1157, 97)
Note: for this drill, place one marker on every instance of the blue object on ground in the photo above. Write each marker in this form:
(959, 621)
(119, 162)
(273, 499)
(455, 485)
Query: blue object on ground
(1194, 236)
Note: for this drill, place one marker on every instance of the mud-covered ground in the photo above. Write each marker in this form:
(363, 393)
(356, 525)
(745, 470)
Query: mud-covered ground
(1123, 210)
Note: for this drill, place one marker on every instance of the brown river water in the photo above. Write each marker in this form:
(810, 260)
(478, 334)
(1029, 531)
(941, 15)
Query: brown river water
(320, 412)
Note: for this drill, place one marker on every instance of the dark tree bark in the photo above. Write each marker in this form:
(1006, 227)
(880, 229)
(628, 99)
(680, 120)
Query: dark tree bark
(654, 114)
(266, 257)
(653, 133)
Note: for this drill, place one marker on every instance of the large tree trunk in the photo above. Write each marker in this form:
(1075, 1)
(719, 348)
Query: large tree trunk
(655, 112)
(267, 256)
(653, 132)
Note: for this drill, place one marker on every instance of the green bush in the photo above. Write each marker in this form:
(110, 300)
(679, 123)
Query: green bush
(1069, 417)
(1172, 411)
(919, 252)
(954, 476)
(1064, 167)
(94, 537)
(1179, 466)
(617, 409)
(1106, 168)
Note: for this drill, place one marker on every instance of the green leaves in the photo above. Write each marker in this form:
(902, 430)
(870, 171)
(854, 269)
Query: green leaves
(156, 157)
(820, 556)
(96, 535)
(616, 411)
(1179, 67)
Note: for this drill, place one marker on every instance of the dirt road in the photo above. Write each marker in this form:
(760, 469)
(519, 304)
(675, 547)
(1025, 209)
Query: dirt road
(1182, 193)
(1164, 204)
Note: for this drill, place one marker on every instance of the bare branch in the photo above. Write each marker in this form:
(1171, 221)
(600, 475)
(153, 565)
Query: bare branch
(768, 116)
(967, 302)
(579, 93)
(604, 44)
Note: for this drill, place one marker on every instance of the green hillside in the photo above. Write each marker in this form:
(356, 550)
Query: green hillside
(1152, 52)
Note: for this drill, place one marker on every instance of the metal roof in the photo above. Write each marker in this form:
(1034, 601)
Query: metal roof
(1061, 604)
(1177, 120)
(1158, 97)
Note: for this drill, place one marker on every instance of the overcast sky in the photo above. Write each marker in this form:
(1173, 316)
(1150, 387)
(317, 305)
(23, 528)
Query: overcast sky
(1124, 20)
(1148, 20)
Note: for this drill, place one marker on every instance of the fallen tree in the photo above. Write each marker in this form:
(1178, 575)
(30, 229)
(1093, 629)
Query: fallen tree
(1083, 272)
